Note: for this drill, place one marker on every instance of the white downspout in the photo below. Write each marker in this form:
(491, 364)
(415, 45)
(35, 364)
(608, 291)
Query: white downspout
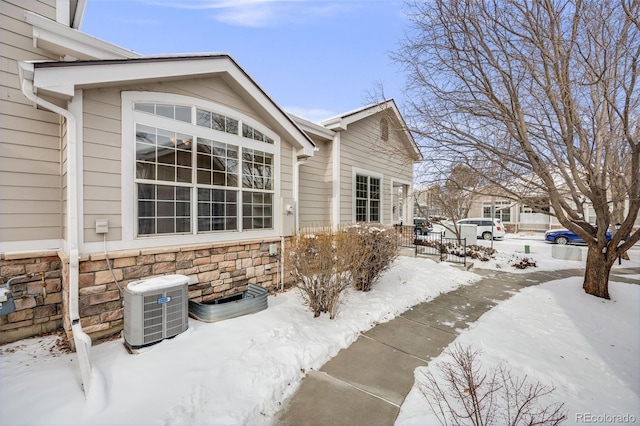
(296, 192)
(81, 339)
(335, 190)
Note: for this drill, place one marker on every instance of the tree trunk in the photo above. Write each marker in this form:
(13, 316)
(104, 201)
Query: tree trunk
(596, 275)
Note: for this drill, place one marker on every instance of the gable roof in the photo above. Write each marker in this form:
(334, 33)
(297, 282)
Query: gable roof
(61, 79)
(341, 122)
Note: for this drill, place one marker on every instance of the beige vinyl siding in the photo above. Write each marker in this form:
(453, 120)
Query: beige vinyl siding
(46, 8)
(30, 170)
(101, 150)
(315, 188)
(102, 144)
(286, 187)
(362, 148)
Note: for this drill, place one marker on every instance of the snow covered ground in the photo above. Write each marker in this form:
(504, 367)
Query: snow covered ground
(240, 371)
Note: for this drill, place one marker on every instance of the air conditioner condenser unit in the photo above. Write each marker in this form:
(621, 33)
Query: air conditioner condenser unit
(155, 309)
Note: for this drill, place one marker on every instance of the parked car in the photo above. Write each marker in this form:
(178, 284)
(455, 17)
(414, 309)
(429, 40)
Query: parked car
(485, 228)
(564, 236)
(422, 226)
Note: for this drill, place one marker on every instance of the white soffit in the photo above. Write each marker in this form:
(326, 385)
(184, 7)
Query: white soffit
(68, 42)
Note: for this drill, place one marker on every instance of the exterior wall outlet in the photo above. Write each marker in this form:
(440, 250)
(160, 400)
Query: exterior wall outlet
(273, 250)
(102, 226)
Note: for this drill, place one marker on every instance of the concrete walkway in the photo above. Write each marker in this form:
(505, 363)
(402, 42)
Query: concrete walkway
(366, 383)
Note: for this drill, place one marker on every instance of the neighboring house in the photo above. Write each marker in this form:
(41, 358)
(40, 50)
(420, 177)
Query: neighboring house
(178, 164)
(362, 170)
(519, 217)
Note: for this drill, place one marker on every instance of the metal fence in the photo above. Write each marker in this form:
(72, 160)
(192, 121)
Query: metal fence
(433, 244)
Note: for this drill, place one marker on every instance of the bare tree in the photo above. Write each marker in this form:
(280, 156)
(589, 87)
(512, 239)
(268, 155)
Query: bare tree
(454, 195)
(540, 99)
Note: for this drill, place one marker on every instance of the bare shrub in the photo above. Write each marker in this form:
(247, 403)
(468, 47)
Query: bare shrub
(466, 394)
(322, 262)
(376, 251)
(523, 263)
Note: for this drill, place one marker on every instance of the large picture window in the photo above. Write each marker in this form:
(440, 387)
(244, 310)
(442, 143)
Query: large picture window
(367, 198)
(199, 171)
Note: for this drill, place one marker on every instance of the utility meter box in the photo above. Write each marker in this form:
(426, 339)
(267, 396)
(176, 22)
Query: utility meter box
(470, 232)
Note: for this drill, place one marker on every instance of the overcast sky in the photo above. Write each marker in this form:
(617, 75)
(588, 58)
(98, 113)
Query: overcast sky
(315, 58)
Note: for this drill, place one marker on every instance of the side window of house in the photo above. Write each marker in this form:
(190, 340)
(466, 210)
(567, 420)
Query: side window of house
(199, 171)
(367, 198)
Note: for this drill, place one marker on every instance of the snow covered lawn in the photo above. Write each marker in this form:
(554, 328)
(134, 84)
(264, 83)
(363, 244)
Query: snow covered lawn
(240, 371)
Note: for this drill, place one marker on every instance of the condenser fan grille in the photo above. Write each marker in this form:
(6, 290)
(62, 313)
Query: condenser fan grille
(155, 314)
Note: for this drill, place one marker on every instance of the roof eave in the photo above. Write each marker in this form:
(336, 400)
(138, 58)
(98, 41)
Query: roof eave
(70, 43)
(61, 79)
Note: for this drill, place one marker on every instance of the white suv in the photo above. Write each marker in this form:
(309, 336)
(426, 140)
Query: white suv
(484, 228)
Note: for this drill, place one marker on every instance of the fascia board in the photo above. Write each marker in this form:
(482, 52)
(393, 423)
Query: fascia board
(63, 41)
(61, 79)
(57, 79)
(312, 128)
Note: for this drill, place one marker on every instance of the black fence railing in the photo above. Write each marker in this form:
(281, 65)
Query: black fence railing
(433, 244)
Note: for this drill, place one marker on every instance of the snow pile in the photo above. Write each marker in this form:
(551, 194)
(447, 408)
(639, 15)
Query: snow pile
(240, 371)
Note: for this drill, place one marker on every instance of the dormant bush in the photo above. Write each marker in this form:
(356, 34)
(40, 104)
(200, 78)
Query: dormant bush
(377, 249)
(322, 263)
(465, 394)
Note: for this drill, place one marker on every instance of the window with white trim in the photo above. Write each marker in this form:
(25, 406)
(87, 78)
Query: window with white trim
(196, 172)
(500, 209)
(367, 198)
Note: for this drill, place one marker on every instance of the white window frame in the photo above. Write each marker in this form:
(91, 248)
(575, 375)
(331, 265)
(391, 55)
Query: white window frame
(371, 174)
(128, 168)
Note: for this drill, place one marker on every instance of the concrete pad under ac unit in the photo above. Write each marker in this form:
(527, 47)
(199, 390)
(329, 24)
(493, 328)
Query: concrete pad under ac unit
(566, 252)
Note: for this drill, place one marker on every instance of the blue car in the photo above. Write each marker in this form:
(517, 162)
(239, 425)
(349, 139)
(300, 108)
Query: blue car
(564, 236)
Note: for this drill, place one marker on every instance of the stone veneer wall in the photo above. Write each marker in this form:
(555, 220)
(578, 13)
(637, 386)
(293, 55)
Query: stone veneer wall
(38, 308)
(214, 270)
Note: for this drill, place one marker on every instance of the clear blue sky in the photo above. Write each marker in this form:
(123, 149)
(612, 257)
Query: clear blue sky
(315, 58)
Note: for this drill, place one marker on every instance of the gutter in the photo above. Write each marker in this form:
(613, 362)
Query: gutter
(81, 340)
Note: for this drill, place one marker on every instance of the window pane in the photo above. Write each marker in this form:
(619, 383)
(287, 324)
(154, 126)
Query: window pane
(374, 188)
(183, 114)
(183, 225)
(163, 209)
(165, 111)
(256, 173)
(204, 177)
(144, 107)
(166, 209)
(145, 134)
(184, 175)
(217, 156)
(146, 226)
(146, 209)
(203, 118)
(232, 126)
(217, 122)
(257, 210)
(167, 173)
(204, 224)
(247, 131)
(183, 209)
(184, 158)
(166, 226)
(221, 210)
(146, 192)
(374, 211)
(145, 171)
